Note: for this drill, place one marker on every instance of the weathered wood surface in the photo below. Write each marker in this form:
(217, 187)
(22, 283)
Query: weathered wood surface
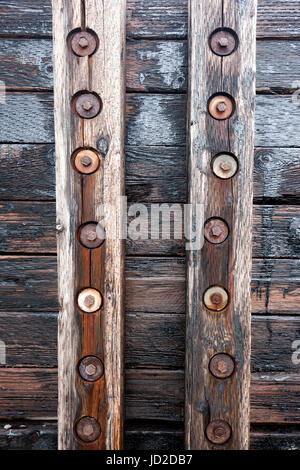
(31, 393)
(80, 200)
(149, 282)
(152, 120)
(166, 19)
(151, 66)
(229, 264)
(161, 437)
(28, 173)
(153, 341)
(27, 227)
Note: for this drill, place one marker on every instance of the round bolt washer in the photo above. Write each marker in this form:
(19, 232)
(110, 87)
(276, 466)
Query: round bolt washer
(218, 432)
(89, 300)
(91, 235)
(83, 43)
(224, 166)
(220, 107)
(88, 105)
(221, 366)
(223, 42)
(86, 161)
(91, 368)
(87, 429)
(216, 231)
(215, 298)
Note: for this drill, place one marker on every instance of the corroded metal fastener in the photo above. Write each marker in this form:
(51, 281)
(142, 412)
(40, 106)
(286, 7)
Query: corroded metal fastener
(91, 368)
(88, 429)
(88, 105)
(216, 230)
(83, 43)
(215, 298)
(86, 161)
(89, 300)
(221, 366)
(218, 432)
(224, 166)
(223, 42)
(91, 235)
(221, 106)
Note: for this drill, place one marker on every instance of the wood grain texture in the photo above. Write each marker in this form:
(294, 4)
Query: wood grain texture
(152, 120)
(229, 264)
(29, 174)
(167, 18)
(145, 436)
(78, 201)
(152, 341)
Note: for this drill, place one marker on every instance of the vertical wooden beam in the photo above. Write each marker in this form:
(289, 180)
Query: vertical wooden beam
(83, 198)
(217, 398)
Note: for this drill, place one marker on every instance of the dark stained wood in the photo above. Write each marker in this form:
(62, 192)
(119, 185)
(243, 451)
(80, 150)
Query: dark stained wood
(146, 436)
(153, 341)
(152, 65)
(31, 229)
(166, 19)
(28, 283)
(28, 173)
(152, 120)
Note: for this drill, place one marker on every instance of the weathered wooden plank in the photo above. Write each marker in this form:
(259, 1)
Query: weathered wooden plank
(144, 436)
(222, 326)
(29, 173)
(149, 282)
(27, 227)
(153, 341)
(80, 200)
(152, 120)
(154, 395)
(164, 19)
(151, 65)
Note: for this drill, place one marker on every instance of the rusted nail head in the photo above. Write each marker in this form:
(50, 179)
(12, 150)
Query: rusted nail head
(216, 299)
(89, 301)
(221, 366)
(83, 42)
(226, 165)
(221, 106)
(91, 368)
(223, 42)
(86, 160)
(216, 231)
(218, 432)
(88, 429)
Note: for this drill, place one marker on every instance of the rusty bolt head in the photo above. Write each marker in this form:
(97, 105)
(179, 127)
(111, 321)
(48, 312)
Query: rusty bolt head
(221, 106)
(83, 43)
(91, 368)
(86, 161)
(89, 300)
(215, 298)
(218, 432)
(223, 42)
(91, 235)
(216, 231)
(224, 166)
(221, 366)
(88, 105)
(88, 429)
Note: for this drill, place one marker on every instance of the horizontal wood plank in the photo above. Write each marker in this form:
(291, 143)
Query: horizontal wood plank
(27, 227)
(153, 341)
(28, 173)
(152, 120)
(152, 65)
(28, 283)
(165, 18)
